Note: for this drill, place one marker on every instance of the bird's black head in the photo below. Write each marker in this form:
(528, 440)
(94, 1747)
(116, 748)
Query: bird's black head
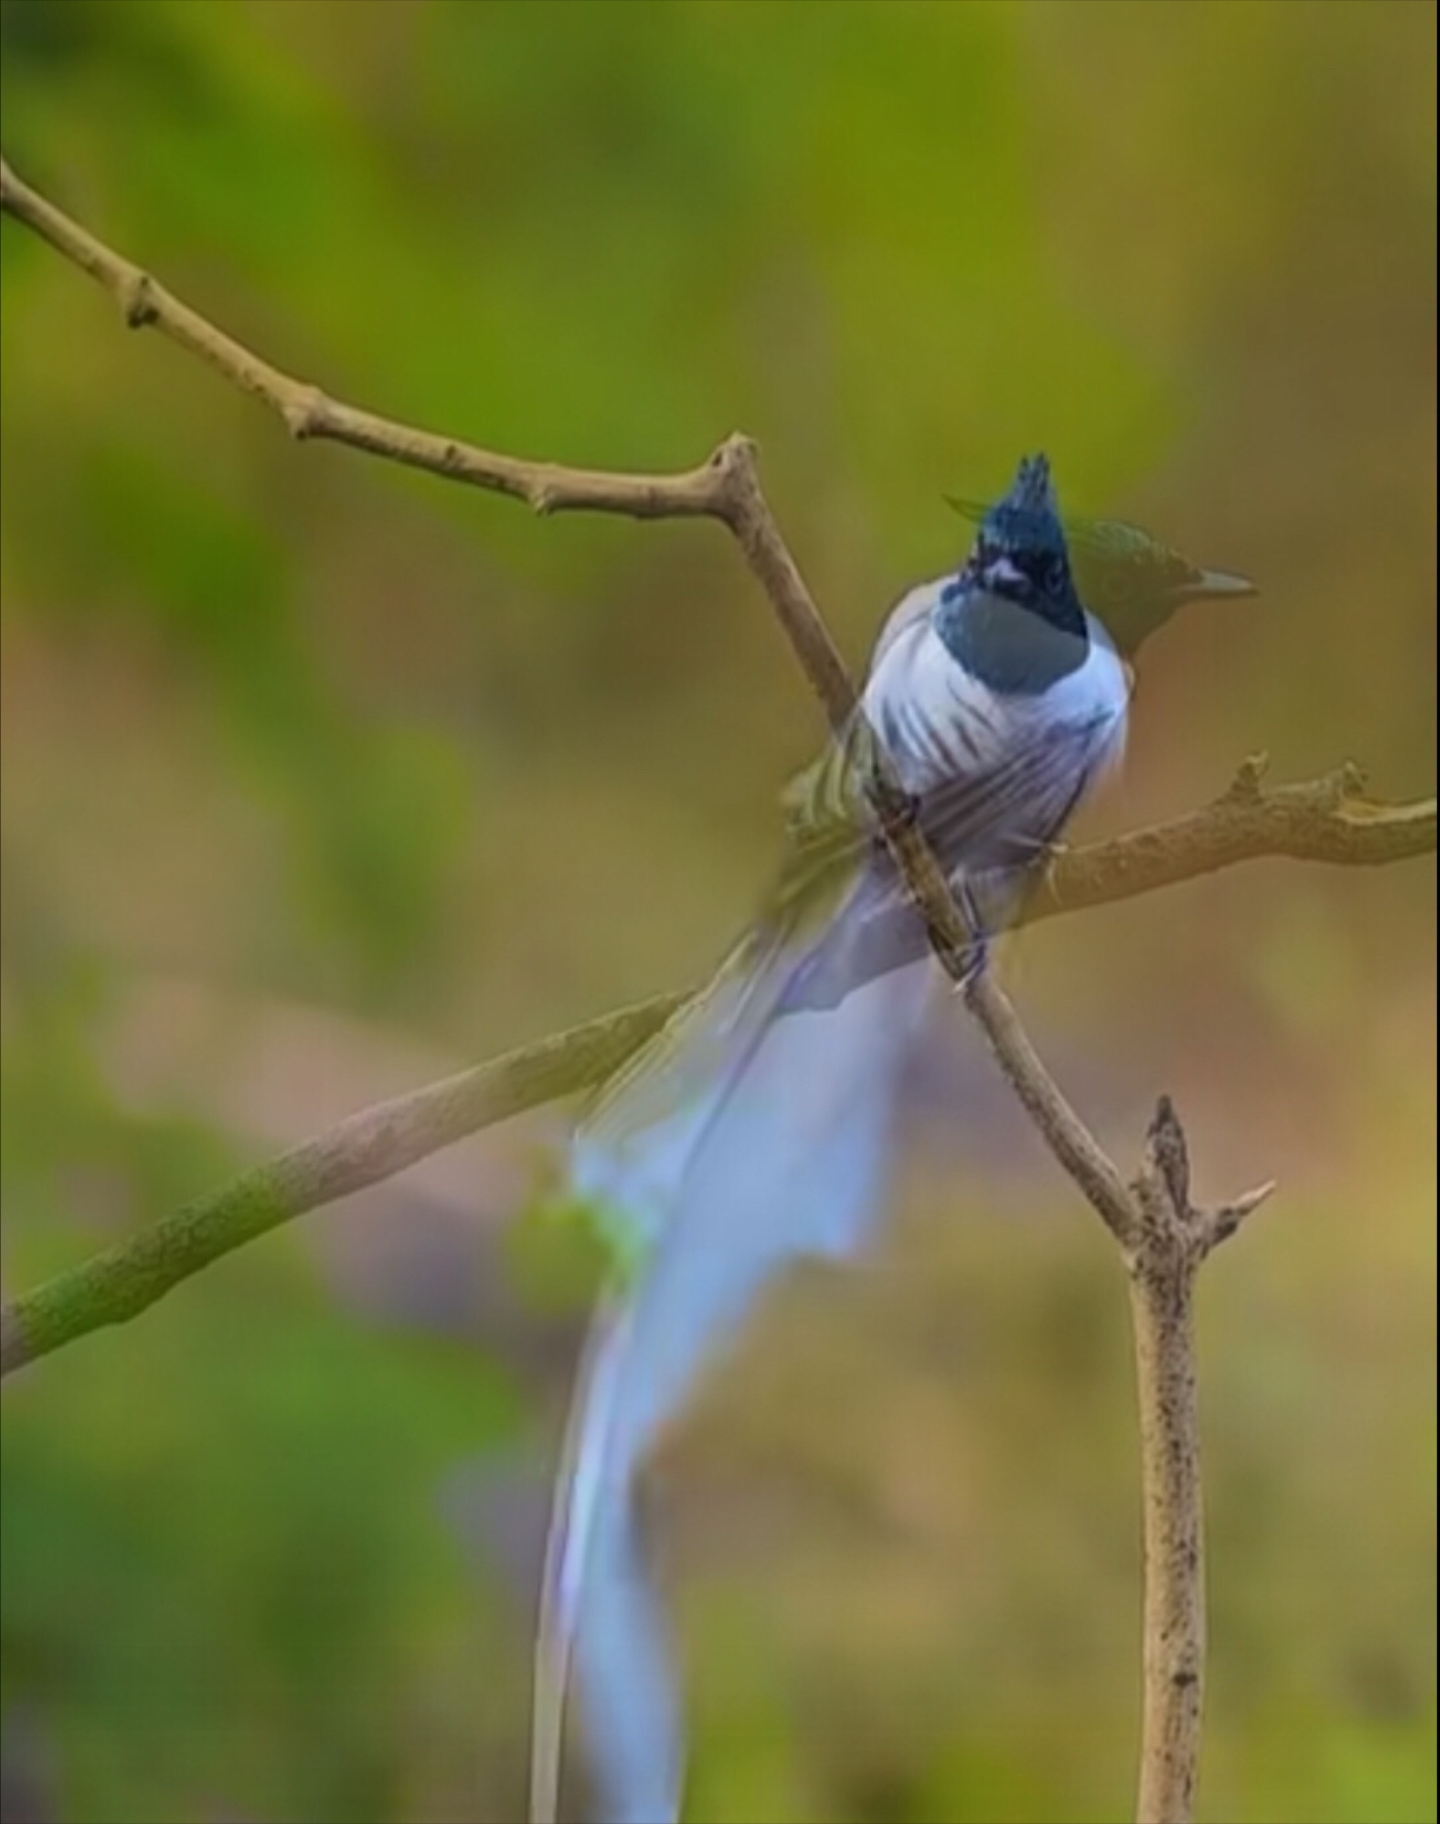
(1011, 616)
(1021, 554)
(1126, 577)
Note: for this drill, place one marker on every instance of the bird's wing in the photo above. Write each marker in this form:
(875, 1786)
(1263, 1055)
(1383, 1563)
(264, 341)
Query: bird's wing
(635, 1135)
(915, 605)
(829, 838)
(829, 826)
(1003, 814)
(634, 1138)
(989, 829)
(828, 817)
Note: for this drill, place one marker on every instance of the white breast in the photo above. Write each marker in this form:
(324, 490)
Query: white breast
(940, 723)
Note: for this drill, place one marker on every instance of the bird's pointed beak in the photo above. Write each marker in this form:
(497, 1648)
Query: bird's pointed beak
(1219, 585)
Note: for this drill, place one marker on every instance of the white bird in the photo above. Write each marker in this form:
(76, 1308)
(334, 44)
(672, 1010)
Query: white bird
(757, 1126)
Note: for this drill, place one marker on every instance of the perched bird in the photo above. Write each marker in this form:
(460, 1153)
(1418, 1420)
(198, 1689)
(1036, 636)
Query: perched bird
(1127, 577)
(756, 1126)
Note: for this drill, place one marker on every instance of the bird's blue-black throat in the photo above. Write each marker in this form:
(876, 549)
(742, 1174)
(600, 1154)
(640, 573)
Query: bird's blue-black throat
(1017, 637)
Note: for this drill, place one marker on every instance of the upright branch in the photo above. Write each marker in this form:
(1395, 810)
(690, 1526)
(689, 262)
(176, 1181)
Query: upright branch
(1162, 1238)
(1162, 1252)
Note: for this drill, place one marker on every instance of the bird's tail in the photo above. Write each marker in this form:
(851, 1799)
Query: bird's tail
(783, 1154)
(598, 1605)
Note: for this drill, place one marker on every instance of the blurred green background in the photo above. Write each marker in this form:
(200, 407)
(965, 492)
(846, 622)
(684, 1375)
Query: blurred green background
(320, 777)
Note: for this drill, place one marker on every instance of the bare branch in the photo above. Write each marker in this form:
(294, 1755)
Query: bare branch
(1170, 1241)
(1328, 819)
(1221, 1223)
(308, 412)
(1162, 1237)
(126, 1279)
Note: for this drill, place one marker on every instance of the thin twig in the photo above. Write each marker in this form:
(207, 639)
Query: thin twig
(308, 412)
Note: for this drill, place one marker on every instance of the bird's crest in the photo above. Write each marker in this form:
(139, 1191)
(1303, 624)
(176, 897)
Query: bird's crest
(1032, 490)
(1028, 517)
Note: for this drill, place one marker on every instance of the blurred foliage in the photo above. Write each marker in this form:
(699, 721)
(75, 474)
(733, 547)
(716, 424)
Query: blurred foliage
(291, 737)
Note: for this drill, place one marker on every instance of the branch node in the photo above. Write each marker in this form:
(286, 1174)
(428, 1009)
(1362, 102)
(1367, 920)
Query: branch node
(1174, 1234)
(1221, 1224)
(137, 300)
(542, 495)
(304, 412)
(1167, 1154)
(1348, 781)
(1244, 788)
(733, 464)
(737, 452)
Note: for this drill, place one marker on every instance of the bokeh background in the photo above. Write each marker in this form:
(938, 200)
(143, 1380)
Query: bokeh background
(321, 778)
